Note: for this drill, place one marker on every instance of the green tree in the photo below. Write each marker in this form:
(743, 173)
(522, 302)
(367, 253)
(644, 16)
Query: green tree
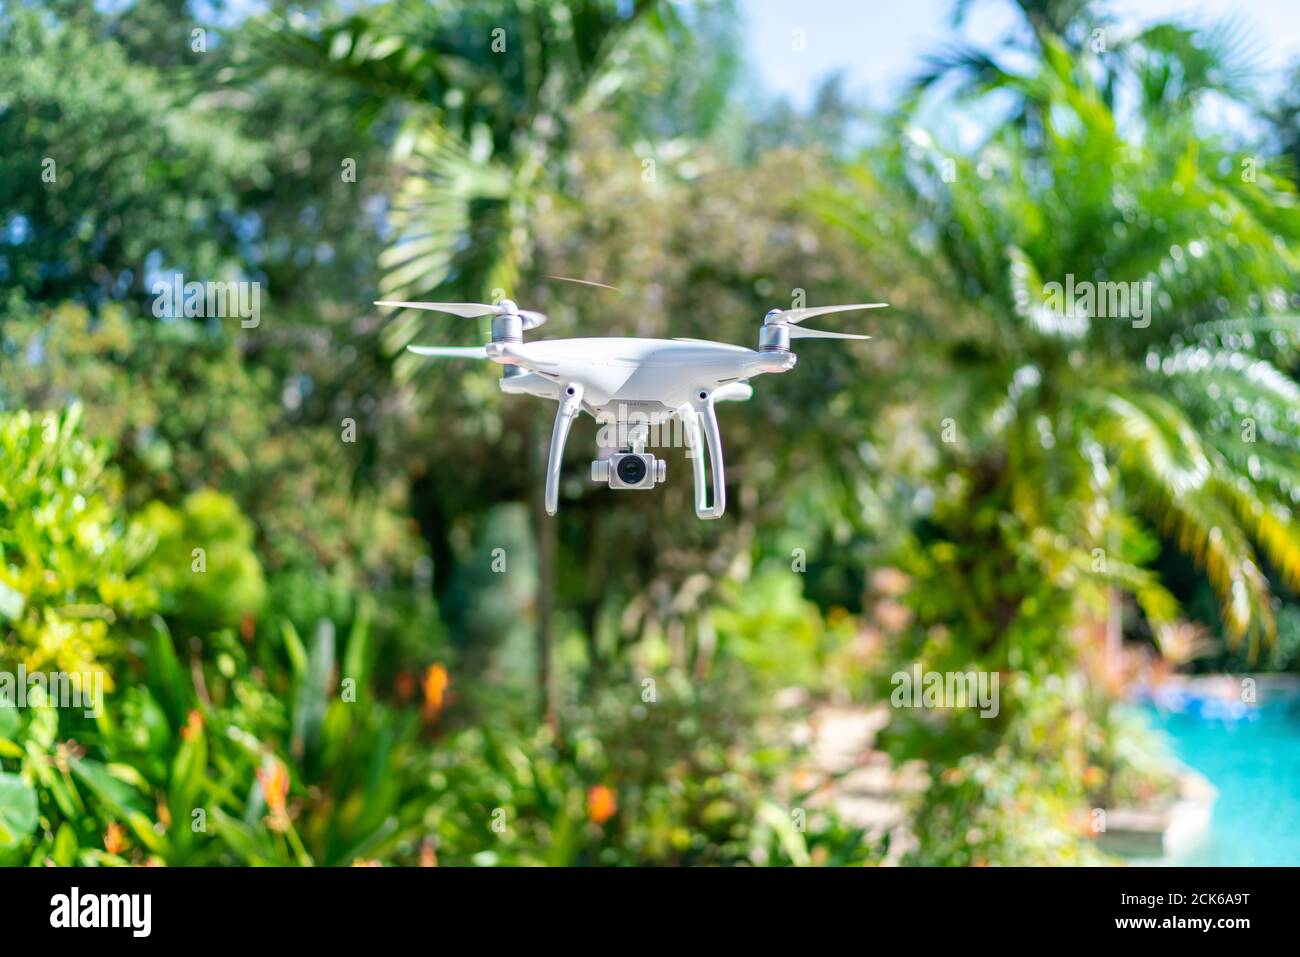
(1172, 65)
(488, 95)
(1071, 418)
(76, 114)
(1067, 439)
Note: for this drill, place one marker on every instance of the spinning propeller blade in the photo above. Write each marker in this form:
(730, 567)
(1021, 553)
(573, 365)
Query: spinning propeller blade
(793, 316)
(779, 326)
(584, 282)
(705, 342)
(469, 310)
(799, 332)
(451, 352)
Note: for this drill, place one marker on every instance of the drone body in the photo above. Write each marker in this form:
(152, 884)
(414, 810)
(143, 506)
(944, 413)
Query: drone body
(663, 373)
(622, 381)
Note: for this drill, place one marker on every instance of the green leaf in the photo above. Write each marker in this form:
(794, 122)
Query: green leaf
(309, 703)
(64, 852)
(18, 814)
(792, 841)
(357, 658)
(117, 796)
(168, 681)
(241, 838)
(293, 646)
(187, 778)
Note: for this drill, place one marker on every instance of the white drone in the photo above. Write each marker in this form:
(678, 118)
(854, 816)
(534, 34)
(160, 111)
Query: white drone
(627, 381)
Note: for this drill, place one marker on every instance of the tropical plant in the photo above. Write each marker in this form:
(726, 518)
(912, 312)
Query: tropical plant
(70, 562)
(210, 761)
(206, 536)
(1068, 421)
(1170, 66)
(1069, 440)
(685, 779)
(488, 94)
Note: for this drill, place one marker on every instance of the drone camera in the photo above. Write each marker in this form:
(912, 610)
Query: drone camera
(626, 470)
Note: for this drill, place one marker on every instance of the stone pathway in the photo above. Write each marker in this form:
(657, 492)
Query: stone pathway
(854, 778)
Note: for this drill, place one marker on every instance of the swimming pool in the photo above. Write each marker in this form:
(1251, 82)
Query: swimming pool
(1256, 767)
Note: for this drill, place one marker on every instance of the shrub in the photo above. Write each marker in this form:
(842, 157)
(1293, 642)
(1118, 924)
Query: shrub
(69, 557)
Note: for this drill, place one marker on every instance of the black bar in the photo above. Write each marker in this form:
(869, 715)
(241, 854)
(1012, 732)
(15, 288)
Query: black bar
(585, 906)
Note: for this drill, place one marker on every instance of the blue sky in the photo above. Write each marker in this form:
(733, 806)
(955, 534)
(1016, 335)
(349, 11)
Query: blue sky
(878, 43)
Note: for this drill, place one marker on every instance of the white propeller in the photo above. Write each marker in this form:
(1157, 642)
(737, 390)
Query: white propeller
(472, 310)
(786, 319)
(583, 282)
(704, 342)
(798, 332)
(793, 316)
(453, 352)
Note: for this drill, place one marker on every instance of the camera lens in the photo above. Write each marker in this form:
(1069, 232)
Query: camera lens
(631, 470)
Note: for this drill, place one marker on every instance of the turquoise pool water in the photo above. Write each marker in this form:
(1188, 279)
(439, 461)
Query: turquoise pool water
(1256, 767)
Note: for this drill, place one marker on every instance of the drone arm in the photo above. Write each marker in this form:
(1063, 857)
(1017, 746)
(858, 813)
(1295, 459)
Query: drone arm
(570, 406)
(702, 409)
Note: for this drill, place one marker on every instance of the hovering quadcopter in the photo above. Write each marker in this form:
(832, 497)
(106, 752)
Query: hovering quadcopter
(627, 381)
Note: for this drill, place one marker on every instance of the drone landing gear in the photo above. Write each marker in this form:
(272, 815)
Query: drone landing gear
(700, 408)
(570, 406)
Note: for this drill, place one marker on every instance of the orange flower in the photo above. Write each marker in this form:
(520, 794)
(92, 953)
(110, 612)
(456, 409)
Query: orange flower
(193, 726)
(115, 839)
(435, 688)
(602, 803)
(275, 787)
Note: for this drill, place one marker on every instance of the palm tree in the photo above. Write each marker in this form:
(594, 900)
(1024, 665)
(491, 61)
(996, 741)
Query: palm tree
(1075, 429)
(480, 100)
(1070, 438)
(478, 103)
(1167, 65)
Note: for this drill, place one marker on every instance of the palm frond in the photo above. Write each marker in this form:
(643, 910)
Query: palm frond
(1172, 477)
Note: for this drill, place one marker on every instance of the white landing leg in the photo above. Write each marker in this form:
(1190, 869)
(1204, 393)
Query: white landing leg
(570, 406)
(701, 411)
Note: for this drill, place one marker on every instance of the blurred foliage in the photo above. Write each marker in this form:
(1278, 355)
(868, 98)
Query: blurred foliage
(1072, 443)
(69, 559)
(686, 774)
(206, 536)
(75, 114)
(223, 762)
(1186, 415)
